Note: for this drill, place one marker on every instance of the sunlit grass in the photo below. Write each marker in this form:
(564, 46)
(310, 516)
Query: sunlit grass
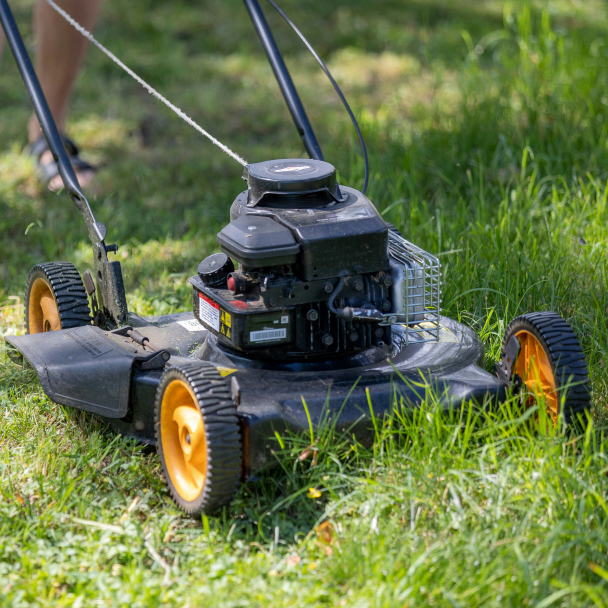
(486, 127)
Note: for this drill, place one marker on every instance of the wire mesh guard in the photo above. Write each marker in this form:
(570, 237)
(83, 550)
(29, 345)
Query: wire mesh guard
(417, 289)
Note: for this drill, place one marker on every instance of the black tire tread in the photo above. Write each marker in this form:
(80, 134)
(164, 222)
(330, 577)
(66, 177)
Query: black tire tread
(68, 290)
(224, 451)
(565, 354)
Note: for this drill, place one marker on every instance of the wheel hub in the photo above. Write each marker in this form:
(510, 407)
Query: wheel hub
(183, 435)
(534, 367)
(43, 312)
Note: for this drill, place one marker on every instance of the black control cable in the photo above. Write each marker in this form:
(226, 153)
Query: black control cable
(347, 313)
(335, 85)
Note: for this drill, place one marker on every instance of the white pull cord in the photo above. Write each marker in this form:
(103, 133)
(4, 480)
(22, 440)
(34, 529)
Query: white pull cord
(146, 86)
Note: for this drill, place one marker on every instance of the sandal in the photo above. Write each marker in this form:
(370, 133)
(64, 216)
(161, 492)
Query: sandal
(48, 170)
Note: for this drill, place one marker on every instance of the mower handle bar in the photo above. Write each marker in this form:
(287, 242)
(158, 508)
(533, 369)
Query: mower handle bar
(109, 274)
(288, 89)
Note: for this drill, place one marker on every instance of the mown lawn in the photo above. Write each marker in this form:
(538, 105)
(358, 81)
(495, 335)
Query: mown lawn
(487, 126)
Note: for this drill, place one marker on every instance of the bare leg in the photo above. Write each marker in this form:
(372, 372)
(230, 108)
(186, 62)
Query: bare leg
(60, 51)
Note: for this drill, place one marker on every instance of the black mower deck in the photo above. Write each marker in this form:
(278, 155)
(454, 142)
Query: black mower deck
(108, 374)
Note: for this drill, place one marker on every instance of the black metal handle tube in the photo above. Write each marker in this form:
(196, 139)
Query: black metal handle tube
(292, 99)
(45, 118)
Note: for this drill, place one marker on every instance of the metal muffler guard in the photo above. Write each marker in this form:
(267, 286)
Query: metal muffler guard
(85, 368)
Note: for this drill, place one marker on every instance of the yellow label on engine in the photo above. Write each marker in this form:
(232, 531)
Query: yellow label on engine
(225, 318)
(226, 323)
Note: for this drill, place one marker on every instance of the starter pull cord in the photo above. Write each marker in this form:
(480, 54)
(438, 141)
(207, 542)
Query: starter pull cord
(189, 120)
(146, 86)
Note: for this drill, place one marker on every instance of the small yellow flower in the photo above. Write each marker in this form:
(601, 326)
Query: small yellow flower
(430, 475)
(313, 493)
(312, 565)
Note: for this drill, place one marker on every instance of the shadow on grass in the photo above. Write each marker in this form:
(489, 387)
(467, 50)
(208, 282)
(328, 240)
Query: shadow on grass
(318, 478)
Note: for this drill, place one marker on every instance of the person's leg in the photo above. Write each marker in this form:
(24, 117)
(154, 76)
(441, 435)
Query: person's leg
(60, 51)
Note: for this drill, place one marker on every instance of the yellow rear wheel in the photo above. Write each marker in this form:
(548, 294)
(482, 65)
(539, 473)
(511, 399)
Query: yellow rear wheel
(551, 364)
(42, 311)
(55, 298)
(534, 367)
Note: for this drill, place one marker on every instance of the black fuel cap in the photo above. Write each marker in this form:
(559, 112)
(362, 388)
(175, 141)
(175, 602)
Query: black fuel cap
(214, 270)
(290, 176)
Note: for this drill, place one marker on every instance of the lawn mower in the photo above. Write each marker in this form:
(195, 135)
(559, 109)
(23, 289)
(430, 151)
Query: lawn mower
(314, 311)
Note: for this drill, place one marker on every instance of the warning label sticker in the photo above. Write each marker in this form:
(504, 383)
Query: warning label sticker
(209, 312)
(226, 323)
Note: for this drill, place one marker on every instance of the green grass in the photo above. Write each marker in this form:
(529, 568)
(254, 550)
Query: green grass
(487, 129)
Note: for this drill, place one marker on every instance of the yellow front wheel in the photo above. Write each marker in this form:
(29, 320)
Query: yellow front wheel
(197, 436)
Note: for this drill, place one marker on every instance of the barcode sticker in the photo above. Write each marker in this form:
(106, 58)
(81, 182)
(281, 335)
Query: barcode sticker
(209, 312)
(267, 334)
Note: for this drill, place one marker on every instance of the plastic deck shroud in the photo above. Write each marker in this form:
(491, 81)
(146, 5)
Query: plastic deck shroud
(104, 373)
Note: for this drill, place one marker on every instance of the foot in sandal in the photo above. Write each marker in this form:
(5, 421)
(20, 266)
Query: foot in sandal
(48, 171)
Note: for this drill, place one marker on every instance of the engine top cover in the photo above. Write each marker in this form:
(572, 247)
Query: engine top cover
(275, 182)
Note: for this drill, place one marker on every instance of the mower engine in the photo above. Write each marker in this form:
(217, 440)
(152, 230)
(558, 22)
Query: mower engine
(310, 269)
